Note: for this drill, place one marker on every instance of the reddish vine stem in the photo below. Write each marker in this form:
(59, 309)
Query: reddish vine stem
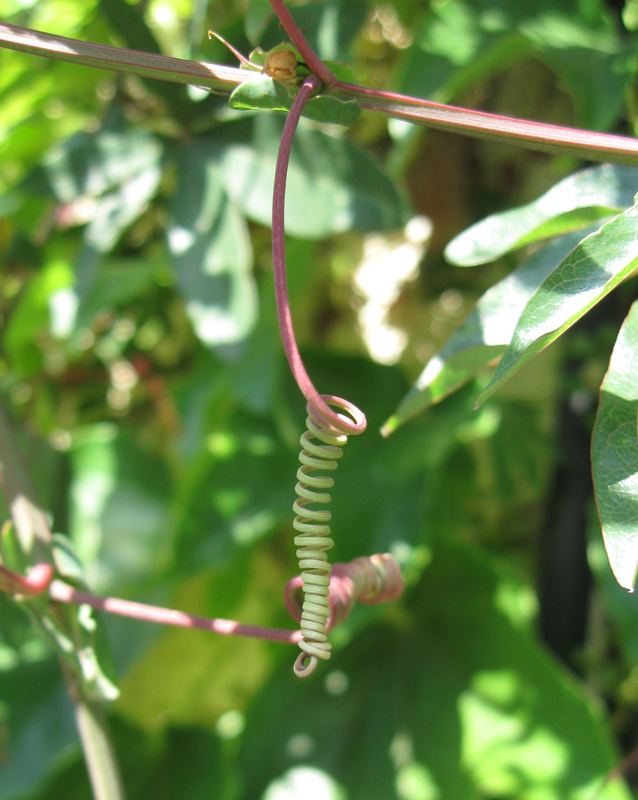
(306, 387)
(376, 579)
(63, 593)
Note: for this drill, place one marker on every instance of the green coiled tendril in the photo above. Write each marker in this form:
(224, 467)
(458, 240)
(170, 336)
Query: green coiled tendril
(322, 447)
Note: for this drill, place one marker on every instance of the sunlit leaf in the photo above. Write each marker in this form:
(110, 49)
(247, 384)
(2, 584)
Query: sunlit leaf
(574, 203)
(615, 455)
(598, 264)
(485, 335)
(118, 507)
(455, 47)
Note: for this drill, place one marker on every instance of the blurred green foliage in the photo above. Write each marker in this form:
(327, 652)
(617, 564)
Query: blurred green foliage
(142, 366)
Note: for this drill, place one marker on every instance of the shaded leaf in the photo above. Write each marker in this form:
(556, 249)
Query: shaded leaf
(461, 43)
(333, 186)
(484, 336)
(36, 721)
(458, 701)
(257, 17)
(598, 264)
(585, 52)
(615, 455)
(211, 252)
(575, 202)
(205, 674)
(77, 630)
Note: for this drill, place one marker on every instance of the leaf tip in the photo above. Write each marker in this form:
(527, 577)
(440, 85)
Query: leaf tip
(389, 426)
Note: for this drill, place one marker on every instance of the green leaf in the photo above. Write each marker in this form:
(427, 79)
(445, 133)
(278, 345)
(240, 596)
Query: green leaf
(78, 632)
(573, 203)
(211, 252)
(339, 69)
(485, 334)
(456, 701)
(461, 43)
(333, 186)
(204, 674)
(596, 80)
(615, 455)
(596, 266)
(119, 281)
(267, 94)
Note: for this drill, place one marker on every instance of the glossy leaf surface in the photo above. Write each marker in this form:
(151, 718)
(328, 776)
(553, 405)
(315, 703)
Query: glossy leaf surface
(264, 93)
(597, 265)
(615, 455)
(484, 336)
(574, 203)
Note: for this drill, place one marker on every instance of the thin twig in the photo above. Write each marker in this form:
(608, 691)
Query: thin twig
(63, 593)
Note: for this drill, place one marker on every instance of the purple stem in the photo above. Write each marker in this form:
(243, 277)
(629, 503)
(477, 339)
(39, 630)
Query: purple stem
(339, 421)
(64, 593)
(540, 136)
(311, 59)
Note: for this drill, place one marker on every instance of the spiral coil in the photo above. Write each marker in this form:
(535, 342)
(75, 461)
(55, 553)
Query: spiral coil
(322, 447)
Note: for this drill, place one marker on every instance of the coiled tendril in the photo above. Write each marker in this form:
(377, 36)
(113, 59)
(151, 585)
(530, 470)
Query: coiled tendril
(322, 447)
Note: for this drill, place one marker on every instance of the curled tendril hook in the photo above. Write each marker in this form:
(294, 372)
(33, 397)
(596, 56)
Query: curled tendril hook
(330, 420)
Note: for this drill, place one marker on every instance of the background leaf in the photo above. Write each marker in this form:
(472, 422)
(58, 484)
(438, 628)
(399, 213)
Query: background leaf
(211, 253)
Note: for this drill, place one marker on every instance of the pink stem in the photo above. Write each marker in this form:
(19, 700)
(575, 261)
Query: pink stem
(40, 578)
(311, 59)
(306, 387)
(64, 593)
(540, 136)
